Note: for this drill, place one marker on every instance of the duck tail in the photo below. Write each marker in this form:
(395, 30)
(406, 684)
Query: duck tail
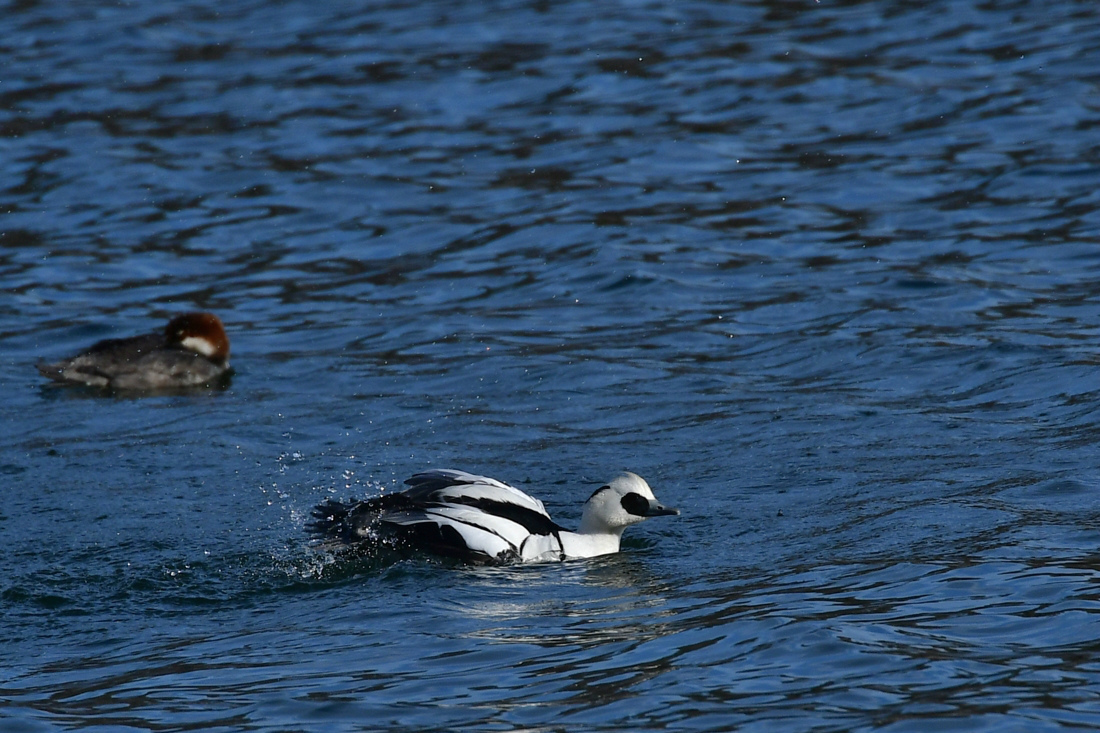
(349, 522)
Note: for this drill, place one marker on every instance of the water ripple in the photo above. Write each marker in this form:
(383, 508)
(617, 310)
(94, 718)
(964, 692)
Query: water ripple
(824, 274)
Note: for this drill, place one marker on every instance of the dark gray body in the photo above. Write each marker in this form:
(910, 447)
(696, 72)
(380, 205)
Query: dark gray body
(138, 363)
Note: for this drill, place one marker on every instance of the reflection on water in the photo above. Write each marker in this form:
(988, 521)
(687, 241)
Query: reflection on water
(825, 274)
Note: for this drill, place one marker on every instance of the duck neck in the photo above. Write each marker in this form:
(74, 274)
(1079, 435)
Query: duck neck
(590, 544)
(592, 526)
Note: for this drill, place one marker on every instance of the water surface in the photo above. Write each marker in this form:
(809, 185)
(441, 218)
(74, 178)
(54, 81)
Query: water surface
(826, 274)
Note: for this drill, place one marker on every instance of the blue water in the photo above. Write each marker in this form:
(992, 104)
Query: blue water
(826, 274)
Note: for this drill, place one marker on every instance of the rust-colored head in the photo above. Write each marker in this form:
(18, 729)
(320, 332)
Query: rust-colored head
(202, 333)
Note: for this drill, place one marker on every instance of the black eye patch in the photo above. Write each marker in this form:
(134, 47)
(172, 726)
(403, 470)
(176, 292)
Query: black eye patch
(636, 504)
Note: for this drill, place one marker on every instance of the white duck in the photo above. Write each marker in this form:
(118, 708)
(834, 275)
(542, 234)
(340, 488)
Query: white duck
(480, 519)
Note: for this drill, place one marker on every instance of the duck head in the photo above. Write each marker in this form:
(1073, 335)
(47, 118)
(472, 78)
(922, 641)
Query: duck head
(625, 501)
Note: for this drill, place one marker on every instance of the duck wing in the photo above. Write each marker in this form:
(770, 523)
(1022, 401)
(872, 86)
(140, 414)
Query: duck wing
(103, 361)
(450, 513)
(446, 486)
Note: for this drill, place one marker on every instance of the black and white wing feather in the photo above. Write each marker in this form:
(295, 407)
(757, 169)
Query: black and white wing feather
(450, 513)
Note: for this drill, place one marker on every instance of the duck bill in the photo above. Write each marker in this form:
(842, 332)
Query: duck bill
(656, 510)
